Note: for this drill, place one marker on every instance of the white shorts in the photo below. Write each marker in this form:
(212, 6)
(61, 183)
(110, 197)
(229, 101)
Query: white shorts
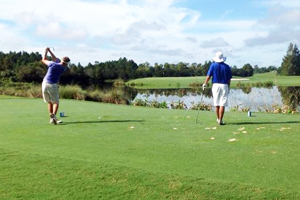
(220, 94)
(50, 92)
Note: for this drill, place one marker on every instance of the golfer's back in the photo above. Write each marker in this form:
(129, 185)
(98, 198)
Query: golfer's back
(55, 70)
(220, 72)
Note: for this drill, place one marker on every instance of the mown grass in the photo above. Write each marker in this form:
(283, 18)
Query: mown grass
(188, 82)
(165, 82)
(145, 153)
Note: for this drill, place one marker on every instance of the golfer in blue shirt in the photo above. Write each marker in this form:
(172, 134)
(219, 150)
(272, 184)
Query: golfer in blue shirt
(50, 83)
(221, 78)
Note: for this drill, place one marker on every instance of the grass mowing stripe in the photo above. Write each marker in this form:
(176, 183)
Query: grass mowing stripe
(159, 141)
(35, 177)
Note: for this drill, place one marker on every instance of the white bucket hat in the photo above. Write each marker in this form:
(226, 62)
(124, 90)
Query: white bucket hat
(219, 57)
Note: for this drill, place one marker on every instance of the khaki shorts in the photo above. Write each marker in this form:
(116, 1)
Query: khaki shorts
(220, 94)
(50, 92)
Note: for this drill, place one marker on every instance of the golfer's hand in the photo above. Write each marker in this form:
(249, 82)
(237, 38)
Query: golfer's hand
(203, 86)
(47, 49)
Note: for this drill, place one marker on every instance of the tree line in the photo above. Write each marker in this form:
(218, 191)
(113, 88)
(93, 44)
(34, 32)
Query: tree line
(27, 67)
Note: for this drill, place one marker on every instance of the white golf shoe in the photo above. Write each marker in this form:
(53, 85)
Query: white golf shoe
(54, 120)
(220, 122)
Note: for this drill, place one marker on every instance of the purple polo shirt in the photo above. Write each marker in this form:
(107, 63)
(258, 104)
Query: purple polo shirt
(55, 70)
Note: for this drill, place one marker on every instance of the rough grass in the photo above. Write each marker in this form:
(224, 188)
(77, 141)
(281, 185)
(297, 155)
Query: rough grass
(145, 153)
(116, 95)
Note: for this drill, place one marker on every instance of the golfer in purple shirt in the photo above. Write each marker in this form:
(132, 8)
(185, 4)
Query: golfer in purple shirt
(50, 83)
(221, 78)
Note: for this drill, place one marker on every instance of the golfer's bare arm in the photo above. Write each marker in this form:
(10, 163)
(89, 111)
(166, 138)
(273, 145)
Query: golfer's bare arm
(206, 80)
(52, 55)
(44, 59)
(229, 83)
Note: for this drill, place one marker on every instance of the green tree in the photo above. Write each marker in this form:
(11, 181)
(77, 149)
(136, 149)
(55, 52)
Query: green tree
(297, 60)
(143, 70)
(158, 70)
(205, 68)
(290, 65)
(33, 72)
(235, 71)
(169, 70)
(247, 70)
(182, 69)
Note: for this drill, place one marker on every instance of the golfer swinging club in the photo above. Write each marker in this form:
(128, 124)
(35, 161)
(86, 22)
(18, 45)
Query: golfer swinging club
(221, 78)
(50, 83)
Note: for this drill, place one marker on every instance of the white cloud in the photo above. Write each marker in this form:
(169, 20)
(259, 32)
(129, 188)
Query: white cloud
(143, 30)
(217, 42)
(144, 25)
(26, 18)
(281, 26)
(170, 52)
(10, 39)
(285, 3)
(275, 37)
(280, 16)
(55, 30)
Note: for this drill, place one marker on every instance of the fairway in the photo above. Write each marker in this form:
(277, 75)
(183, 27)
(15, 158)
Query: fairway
(187, 82)
(107, 151)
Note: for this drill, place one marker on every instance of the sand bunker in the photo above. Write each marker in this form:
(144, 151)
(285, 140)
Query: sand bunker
(240, 79)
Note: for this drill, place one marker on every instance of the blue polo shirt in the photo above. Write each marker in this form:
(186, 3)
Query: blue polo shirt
(55, 70)
(220, 72)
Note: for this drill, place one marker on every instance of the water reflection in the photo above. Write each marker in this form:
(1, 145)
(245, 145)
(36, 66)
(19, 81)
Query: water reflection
(254, 99)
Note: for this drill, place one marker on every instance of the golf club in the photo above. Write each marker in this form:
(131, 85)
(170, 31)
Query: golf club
(201, 102)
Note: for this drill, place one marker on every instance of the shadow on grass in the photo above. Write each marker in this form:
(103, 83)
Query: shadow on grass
(249, 123)
(102, 121)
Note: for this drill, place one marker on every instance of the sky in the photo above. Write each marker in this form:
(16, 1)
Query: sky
(257, 32)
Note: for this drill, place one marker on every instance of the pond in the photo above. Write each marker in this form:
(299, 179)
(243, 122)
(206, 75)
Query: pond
(254, 99)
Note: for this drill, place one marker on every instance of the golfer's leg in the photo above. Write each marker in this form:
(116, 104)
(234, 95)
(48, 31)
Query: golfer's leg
(55, 98)
(55, 108)
(218, 112)
(50, 108)
(221, 112)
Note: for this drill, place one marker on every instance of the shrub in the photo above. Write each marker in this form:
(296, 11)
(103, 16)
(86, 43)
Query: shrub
(34, 91)
(257, 84)
(201, 106)
(198, 84)
(116, 96)
(21, 90)
(178, 105)
(195, 84)
(140, 102)
(94, 95)
(239, 85)
(156, 104)
(72, 92)
(163, 104)
(119, 83)
(284, 109)
(268, 84)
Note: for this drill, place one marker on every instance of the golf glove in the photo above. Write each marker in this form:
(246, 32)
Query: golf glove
(203, 86)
